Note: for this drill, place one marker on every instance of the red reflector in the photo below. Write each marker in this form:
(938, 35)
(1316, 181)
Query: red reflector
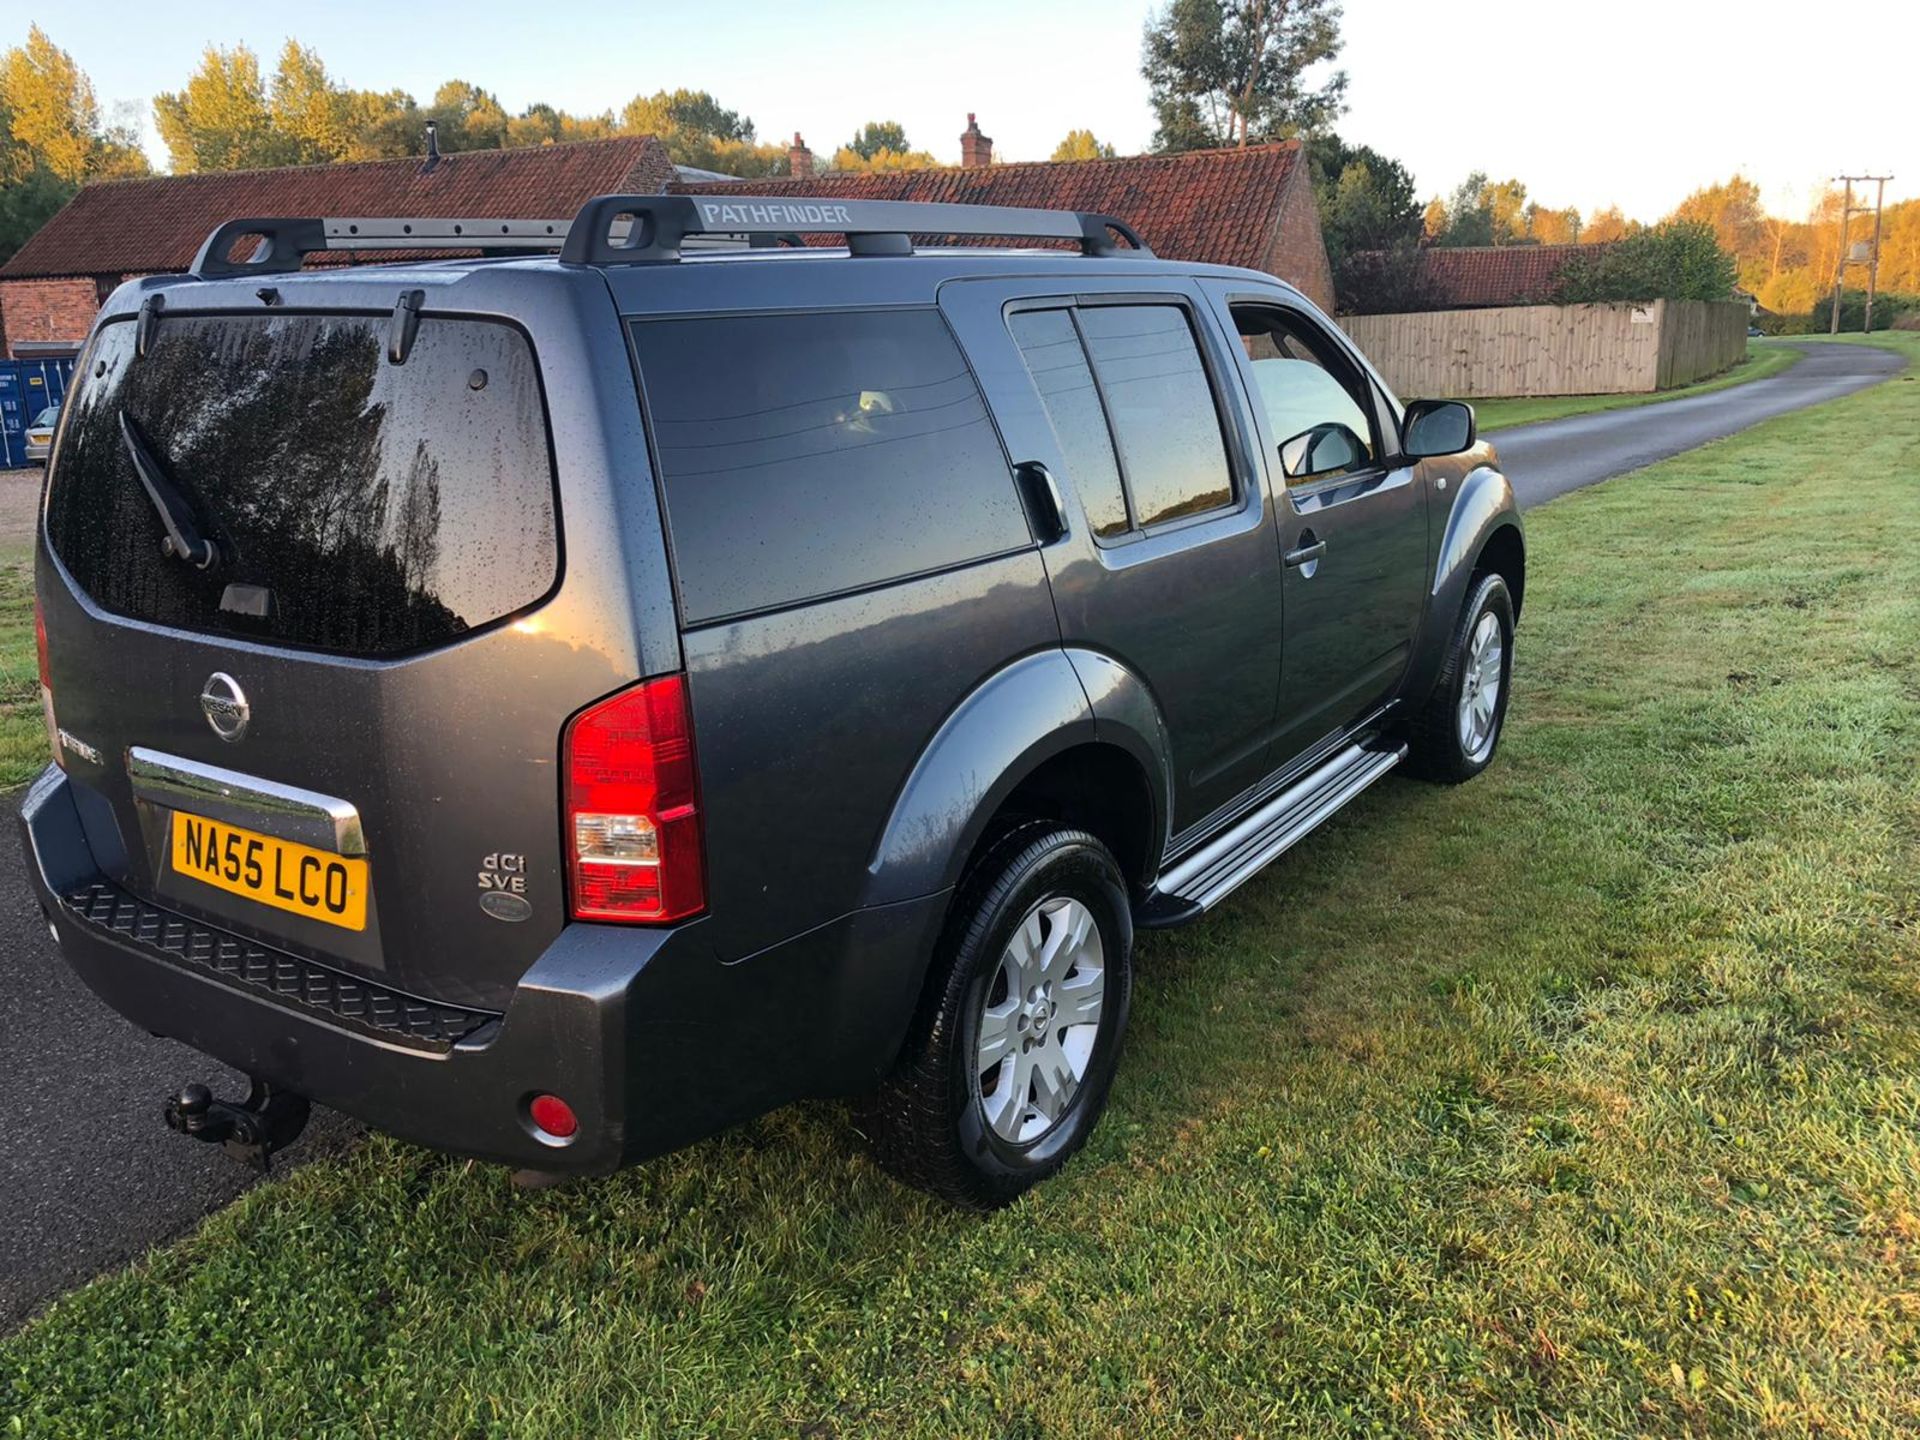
(40, 642)
(553, 1115)
(633, 821)
(46, 683)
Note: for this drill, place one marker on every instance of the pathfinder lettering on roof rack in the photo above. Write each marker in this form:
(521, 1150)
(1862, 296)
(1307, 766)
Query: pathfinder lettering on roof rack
(714, 212)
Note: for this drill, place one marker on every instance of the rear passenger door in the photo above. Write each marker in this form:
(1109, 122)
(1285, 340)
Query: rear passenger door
(1169, 563)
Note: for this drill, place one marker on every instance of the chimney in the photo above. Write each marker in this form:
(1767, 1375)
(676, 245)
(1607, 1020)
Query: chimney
(799, 159)
(433, 147)
(976, 150)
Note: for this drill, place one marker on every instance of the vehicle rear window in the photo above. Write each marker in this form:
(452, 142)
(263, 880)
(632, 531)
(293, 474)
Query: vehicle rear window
(359, 506)
(1051, 347)
(806, 455)
(1161, 406)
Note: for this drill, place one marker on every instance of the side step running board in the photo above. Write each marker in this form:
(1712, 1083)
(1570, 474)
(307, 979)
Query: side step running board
(1213, 872)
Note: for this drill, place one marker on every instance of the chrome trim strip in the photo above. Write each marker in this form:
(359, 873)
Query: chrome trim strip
(1218, 869)
(284, 811)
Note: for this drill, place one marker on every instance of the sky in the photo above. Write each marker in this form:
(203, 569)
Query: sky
(1633, 104)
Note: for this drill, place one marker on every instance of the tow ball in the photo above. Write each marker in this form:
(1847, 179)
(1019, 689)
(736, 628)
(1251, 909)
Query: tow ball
(251, 1129)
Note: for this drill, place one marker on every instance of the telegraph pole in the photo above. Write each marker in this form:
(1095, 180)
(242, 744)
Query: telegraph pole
(1873, 270)
(1847, 211)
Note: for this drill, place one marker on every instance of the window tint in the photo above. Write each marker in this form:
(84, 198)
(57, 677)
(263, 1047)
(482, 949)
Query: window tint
(1051, 347)
(358, 506)
(808, 454)
(1161, 407)
(1315, 420)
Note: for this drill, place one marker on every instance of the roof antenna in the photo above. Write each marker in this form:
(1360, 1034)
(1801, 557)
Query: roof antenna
(433, 146)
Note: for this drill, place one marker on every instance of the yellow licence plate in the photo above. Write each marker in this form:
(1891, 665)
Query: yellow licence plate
(314, 883)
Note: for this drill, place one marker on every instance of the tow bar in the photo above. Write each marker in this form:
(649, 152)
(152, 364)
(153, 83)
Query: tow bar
(266, 1121)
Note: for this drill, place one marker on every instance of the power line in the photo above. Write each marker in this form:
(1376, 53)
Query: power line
(1847, 211)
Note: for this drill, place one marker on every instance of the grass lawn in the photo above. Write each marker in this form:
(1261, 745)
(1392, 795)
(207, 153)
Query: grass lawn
(23, 731)
(1763, 359)
(1582, 1100)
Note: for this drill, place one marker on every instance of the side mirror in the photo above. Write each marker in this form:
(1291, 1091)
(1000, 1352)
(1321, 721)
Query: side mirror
(1323, 450)
(1436, 427)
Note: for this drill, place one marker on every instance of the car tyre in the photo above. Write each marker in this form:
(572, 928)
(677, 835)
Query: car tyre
(1454, 735)
(1035, 967)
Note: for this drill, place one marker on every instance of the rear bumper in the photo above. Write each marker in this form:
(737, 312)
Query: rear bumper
(652, 1041)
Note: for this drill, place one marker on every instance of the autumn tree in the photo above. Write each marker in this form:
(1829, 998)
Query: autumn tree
(51, 138)
(1552, 227)
(1232, 72)
(699, 131)
(220, 120)
(876, 136)
(1081, 145)
(1732, 208)
(53, 121)
(314, 117)
(1605, 225)
(847, 158)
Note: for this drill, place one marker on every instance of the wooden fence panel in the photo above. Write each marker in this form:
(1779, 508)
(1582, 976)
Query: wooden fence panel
(1552, 349)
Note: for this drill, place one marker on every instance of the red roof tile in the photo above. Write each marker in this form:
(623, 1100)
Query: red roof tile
(1217, 206)
(137, 227)
(1466, 277)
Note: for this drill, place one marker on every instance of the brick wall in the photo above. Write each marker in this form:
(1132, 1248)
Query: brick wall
(1299, 255)
(36, 311)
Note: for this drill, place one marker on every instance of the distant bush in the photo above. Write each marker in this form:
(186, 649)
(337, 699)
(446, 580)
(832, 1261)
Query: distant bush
(1678, 260)
(1888, 311)
(1382, 282)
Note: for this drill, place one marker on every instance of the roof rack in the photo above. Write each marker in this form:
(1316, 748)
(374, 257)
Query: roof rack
(650, 229)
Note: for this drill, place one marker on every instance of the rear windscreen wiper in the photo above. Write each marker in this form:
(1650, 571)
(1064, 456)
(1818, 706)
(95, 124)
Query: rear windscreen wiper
(184, 541)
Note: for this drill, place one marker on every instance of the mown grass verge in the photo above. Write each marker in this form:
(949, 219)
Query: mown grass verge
(23, 731)
(1763, 359)
(1582, 1100)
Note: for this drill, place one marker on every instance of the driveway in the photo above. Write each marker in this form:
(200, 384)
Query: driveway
(93, 1179)
(1554, 456)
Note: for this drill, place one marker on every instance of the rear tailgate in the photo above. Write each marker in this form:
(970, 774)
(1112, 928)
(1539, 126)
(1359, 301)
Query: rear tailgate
(340, 737)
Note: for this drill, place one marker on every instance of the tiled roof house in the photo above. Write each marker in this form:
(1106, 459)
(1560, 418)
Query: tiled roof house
(1251, 206)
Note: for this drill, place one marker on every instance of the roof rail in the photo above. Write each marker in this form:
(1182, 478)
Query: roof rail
(643, 229)
(656, 226)
(283, 242)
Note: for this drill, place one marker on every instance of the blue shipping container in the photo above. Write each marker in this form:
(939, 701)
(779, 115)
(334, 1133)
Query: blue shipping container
(26, 388)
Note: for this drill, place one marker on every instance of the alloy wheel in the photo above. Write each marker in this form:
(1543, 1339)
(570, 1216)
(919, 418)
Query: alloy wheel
(1040, 1019)
(1485, 673)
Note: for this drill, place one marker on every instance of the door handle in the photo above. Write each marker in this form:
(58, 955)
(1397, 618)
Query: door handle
(1308, 552)
(1045, 508)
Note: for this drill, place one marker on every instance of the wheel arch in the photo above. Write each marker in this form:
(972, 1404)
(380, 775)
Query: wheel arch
(1483, 531)
(1071, 735)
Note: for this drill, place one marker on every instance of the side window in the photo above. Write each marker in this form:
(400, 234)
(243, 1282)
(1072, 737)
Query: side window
(1160, 405)
(805, 455)
(1051, 347)
(1309, 396)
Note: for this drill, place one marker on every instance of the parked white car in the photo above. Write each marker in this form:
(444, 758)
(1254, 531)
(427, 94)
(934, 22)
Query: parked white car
(40, 434)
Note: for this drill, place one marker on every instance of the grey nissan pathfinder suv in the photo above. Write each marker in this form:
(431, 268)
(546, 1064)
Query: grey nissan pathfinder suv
(556, 704)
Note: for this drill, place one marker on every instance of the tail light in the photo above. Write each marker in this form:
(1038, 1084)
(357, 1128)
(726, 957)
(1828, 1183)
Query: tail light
(46, 679)
(633, 820)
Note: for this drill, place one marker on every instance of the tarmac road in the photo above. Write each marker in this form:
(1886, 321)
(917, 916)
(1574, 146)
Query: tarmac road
(1551, 457)
(90, 1178)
